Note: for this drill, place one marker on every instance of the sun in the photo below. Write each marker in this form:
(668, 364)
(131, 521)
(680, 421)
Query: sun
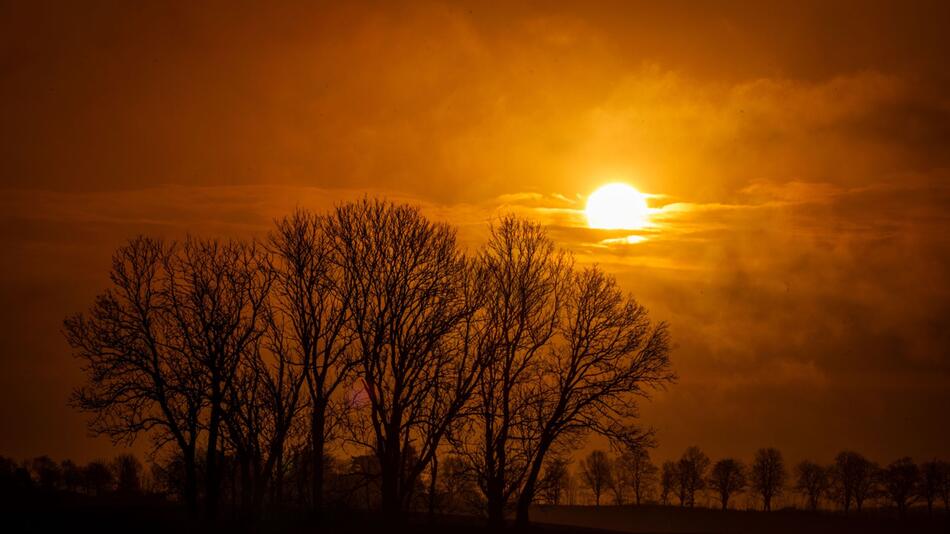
(617, 206)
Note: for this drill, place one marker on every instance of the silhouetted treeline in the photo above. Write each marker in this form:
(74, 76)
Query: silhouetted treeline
(122, 475)
(847, 484)
(364, 333)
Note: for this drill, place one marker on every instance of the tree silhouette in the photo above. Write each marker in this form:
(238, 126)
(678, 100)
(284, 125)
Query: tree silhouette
(596, 473)
(138, 382)
(216, 296)
(47, 472)
(98, 477)
(606, 354)
(728, 477)
(768, 475)
(640, 472)
(669, 481)
(943, 489)
(812, 482)
(312, 307)
(853, 477)
(556, 479)
(239, 360)
(128, 474)
(900, 483)
(932, 475)
(691, 475)
(524, 277)
(411, 294)
(72, 475)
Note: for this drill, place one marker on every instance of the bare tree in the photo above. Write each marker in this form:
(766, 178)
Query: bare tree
(728, 477)
(812, 482)
(46, 472)
(311, 310)
(596, 473)
(641, 473)
(263, 404)
(768, 475)
(127, 471)
(691, 475)
(72, 475)
(853, 479)
(555, 480)
(98, 477)
(411, 293)
(669, 481)
(944, 488)
(216, 297)
(524, 277)
(900, 483)
(932, 475)
(619, 481)
(136, 381)
(606, 355)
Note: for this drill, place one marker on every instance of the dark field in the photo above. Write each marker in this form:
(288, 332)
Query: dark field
(677, 519)
(64, 512)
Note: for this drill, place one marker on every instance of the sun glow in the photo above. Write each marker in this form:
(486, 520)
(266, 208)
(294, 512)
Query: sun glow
(617, 206)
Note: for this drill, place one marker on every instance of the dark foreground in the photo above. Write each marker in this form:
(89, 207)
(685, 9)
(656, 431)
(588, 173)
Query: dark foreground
(669, 519)
(75, 513)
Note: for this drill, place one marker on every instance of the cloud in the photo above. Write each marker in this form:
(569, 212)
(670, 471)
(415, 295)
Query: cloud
(800, 197)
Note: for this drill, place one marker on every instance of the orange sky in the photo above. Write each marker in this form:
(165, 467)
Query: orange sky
(798, 156)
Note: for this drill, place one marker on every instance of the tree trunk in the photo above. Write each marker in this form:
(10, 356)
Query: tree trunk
(522, 512)
(433, 473)
(318, 443)
(191, 483)
(391, 472)
(522, 517)
(247, 489)
(496, 507)
(212, 489)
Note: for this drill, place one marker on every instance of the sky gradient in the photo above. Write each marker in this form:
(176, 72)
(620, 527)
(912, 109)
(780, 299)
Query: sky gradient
(796, 156)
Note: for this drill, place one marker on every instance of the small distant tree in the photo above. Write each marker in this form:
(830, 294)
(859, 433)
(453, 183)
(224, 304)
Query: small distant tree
(812, 482)
(47, 472)
(555, 480)
(13, 478)
(692, 475)
(128, 474)
(619, 481)
(853, 479)
(596, 473)
(728, 477)
(458, 486)
(768, 475)
(944, 488)
(900, 482)
(72, 475)
(669, 479)
(98, 477)
(641, 472)
(931, 480)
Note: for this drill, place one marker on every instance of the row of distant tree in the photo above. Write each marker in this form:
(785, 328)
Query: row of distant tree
(630, 477)
(848, 483)
(123, 475)
(366, 328)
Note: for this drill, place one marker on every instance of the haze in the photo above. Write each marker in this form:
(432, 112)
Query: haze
(796, 156)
